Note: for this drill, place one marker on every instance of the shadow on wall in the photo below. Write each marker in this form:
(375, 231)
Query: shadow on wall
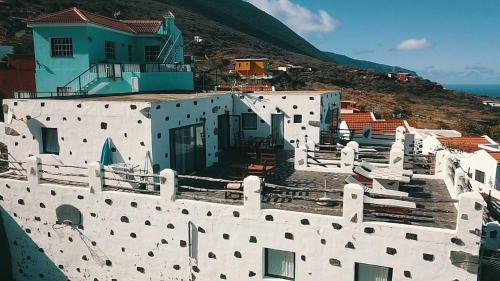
(29, 261)
(5, 265)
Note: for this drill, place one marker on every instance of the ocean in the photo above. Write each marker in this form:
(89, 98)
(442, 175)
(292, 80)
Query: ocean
(491, 90)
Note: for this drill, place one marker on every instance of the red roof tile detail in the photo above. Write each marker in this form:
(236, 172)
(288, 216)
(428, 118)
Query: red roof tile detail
(75, 15)
(378, 127)
(495, 155)
(466, 144)
(357, 117)
(144, 26)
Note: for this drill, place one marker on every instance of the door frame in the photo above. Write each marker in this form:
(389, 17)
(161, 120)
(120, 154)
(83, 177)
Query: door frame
(172, 146)
(283, 130)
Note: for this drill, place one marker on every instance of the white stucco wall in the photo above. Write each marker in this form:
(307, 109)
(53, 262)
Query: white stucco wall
(80, 130)
(200, 110)
(311, 105)
(152, 244)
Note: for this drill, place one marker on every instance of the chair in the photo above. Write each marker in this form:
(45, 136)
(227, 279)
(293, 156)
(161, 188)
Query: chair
(269, 161)
(231, 187)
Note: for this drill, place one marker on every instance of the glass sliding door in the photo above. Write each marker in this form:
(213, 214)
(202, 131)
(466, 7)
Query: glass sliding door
(278, 129)
(187, 148)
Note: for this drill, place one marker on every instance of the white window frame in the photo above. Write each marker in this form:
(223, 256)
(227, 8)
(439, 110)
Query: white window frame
(61, 47)
(273, 254)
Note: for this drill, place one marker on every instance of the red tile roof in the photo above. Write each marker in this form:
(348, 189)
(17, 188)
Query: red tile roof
(495, 155)
(75, 15)
(378, 127)
(144, 26)
(357, 117)
(466, 144)
(356, 122)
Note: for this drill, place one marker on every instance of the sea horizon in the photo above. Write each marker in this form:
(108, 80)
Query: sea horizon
(490, 90)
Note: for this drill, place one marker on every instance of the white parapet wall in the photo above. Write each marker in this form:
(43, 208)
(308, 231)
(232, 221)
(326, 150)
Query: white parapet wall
(120, 235)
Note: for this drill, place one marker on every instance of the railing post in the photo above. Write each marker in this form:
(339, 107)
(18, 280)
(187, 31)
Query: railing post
(252, 186)
(353, 203)
(32, 172)
(79, 84)
(96, 179)
(97, 70)
(168, 185)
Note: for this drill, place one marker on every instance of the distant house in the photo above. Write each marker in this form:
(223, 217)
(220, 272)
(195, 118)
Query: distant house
(405, 77)
(17, 73)
(252, 68)
(78, 52)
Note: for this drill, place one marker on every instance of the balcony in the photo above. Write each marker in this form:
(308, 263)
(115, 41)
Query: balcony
(106, 78)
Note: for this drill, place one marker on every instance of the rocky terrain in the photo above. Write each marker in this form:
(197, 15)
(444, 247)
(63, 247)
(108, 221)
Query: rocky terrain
(234, 28)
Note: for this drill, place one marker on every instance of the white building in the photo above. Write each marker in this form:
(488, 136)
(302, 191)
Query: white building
(68, 217)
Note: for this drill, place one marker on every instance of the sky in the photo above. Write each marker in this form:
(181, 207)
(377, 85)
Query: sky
(451, 42)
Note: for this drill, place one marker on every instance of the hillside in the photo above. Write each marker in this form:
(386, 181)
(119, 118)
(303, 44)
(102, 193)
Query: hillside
(234, 28)
(363, 64)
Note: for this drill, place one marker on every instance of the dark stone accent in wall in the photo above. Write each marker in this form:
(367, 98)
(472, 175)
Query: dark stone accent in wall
(369, 230)
(269, 218)
(185, 212)
(42, 205)
(428, 257)
(337, 226)
(236, 214)
(304, 221)
(335, 262)
(407, 274)
(251, 274)
(411, 236)
(288, 235)
(349, 245)
(253, 239)
(390, 251)
(457, 241)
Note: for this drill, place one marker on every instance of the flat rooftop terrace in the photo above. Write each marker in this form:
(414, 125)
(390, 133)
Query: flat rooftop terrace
(301, 190)
(174, 96)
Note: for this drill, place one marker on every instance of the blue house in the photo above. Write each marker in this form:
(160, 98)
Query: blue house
(81, 53)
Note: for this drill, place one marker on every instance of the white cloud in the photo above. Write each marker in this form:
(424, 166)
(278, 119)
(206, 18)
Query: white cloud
(301, 20)
(414, 44)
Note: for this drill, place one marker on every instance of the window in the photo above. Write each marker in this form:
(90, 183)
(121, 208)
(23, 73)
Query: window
(249, 121)
(61, 47)
(109, 49)
(297, 118)
(368, 272)
(279, 264)
(130, 53)
(50, 141)
(479, 176)
(193, 240)
(151, 53)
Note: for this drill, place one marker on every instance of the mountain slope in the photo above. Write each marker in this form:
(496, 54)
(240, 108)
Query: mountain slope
(234, 28)
(363, 64)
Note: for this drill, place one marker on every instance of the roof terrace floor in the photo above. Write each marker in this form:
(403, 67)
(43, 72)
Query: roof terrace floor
(301, 190)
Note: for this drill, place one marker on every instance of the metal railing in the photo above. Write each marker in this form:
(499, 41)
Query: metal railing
(155, 67)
